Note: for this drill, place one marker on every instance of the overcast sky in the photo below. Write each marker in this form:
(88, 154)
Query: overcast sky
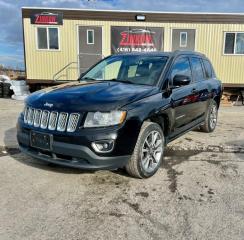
(11, 47)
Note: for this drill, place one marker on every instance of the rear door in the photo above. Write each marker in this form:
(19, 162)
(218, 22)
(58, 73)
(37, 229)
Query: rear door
(90, 46)
(200, 85)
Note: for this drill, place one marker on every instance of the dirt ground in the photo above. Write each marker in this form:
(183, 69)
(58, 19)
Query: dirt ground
(197, 194)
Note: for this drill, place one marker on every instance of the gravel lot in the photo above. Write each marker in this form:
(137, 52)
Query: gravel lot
(197, 194)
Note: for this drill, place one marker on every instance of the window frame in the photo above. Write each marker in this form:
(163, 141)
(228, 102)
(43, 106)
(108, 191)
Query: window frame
(87, 37)
(205, 69)
(202, 66)
(234, 53)
(181, 45)
(170, 79)
(48, 43)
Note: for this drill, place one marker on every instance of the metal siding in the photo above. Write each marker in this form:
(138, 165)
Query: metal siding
(209, 40)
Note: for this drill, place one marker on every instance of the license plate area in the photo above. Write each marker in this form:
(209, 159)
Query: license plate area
(40, 140)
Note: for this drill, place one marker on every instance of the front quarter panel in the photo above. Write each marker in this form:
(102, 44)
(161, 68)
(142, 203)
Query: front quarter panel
(142, 110)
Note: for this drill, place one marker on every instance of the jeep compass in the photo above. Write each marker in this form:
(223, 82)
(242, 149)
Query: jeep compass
(122, 112)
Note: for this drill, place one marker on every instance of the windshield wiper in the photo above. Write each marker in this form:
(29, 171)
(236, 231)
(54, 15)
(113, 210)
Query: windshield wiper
(87, 78)
(122, 81)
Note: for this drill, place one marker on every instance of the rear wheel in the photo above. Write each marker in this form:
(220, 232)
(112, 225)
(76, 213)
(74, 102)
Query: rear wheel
(211, 118)
(148, 153)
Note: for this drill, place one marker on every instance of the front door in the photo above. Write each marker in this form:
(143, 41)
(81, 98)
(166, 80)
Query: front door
(183, 98)
(90, 46)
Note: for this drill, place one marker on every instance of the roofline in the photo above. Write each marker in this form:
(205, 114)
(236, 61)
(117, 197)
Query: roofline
(134, 11)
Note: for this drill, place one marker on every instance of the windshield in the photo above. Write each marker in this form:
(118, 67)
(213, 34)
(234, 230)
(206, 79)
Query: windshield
(144, 70)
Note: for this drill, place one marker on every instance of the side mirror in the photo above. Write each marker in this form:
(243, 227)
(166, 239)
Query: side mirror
(181, 80)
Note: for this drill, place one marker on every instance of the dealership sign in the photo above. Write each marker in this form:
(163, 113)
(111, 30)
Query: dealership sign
(47, 18)
(136, 39)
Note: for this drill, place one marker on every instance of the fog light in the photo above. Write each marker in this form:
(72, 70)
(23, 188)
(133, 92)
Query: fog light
(103, 146)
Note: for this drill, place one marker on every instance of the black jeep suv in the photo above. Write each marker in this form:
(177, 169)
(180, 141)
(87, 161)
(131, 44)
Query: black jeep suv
(122, 112)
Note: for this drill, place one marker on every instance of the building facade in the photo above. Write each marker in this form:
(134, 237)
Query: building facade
(62, 43)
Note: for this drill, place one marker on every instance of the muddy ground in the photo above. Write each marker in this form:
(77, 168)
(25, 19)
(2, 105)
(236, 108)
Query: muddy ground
(198, 192)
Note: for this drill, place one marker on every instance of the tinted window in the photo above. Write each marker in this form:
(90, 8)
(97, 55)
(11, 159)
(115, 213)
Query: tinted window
(208, 69)
(183, 39)
(129, 68)
(47, 38)
(234, 43)
(240, 43)
(90, 36)
(197, 69)
(42, 38)
(181, 67)
(229, 43)
(53, 38)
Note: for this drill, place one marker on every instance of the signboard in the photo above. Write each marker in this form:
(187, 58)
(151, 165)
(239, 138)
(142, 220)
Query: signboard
(136, 39)
(47, 18)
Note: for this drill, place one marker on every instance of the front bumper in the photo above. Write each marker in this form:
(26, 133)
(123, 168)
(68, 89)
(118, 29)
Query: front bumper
(71, 155)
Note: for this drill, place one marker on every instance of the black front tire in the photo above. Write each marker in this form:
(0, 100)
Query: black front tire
(135, 167)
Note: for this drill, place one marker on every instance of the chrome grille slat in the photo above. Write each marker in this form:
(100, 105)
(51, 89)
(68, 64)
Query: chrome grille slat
(30, 117)
(26, 114)
(62, 121)
(51, 120)
(73, 122)
(37, 117)
(44, 119)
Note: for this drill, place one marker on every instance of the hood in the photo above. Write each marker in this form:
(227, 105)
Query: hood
(89, 96)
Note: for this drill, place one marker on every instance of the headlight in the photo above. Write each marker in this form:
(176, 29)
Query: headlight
(104, 119)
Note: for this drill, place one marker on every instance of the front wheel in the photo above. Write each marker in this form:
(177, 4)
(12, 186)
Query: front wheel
(211, 118)
(148, 153)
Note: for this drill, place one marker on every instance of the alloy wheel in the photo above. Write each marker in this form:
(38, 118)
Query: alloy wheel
(152, 150)
(213, 116)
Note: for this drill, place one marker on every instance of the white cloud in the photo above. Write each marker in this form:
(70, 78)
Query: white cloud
(10, 12)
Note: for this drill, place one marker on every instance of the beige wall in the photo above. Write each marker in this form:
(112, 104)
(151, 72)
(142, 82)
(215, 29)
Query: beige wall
(42, 64)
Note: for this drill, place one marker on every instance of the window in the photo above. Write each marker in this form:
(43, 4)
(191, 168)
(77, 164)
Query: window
(90, 36)
(234, 43)
(183, 39)
(181, 67)
(47, 38)
(133, 69)
(239, 43)
(208, 69)
(197, 69)
(111, 71)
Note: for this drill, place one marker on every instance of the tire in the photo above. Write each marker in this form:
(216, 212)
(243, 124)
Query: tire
(146, 160)
(211, 118)
(1, 89)
(6, 90)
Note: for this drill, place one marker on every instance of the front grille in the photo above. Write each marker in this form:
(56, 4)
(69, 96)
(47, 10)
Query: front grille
(51, 120)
